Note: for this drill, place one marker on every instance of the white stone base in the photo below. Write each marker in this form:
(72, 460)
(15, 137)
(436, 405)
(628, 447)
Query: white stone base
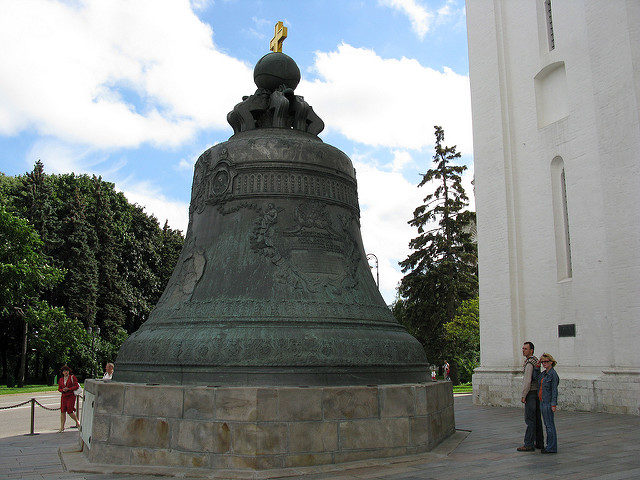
(611, 391)
(263, 427)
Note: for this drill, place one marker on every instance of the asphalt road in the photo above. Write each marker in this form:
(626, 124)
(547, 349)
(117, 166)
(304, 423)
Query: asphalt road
(17, 421)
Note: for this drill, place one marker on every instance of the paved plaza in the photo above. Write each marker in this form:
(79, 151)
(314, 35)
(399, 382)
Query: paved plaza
(591, 445)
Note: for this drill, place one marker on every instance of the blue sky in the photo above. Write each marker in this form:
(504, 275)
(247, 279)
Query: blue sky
(135, 90)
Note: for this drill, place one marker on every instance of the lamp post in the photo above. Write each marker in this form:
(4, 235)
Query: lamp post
(93, 333)
(373, 255)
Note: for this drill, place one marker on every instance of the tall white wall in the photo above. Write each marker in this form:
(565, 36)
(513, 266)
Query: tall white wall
(579, 102)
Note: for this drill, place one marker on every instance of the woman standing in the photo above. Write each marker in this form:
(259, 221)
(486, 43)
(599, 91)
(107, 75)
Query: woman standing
(67, 384)
(548, 395)
(108, 371)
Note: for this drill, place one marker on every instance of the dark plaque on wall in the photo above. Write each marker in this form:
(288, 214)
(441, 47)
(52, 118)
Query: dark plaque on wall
(567, 330)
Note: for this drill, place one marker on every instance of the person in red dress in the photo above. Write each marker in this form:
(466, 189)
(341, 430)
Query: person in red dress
(67, 384)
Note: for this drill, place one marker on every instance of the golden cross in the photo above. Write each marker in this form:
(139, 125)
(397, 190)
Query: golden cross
(280, 34)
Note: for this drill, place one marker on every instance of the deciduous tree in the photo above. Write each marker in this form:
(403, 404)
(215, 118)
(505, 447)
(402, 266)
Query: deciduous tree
(463, 338)
(24, 273)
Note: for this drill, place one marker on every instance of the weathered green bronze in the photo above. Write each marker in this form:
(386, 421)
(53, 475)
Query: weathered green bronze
(272, 286)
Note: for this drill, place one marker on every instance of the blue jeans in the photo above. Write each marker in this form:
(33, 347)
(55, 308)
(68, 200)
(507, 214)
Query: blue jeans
(533, 435)
(550, 426)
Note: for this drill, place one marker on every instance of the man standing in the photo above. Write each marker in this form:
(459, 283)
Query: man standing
(532, 417)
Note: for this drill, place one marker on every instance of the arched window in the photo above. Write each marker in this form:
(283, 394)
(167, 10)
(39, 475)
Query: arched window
(561, 218)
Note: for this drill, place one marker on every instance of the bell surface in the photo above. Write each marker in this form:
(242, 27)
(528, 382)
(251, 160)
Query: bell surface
(272, 286)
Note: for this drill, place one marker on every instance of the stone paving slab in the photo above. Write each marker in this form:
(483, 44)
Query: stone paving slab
(591, 446)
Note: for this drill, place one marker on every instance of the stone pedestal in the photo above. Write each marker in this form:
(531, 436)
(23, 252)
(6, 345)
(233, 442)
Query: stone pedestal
(261, 427)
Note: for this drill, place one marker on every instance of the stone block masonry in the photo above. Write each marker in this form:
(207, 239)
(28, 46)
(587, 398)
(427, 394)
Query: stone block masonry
(608, 392)
(264, 427)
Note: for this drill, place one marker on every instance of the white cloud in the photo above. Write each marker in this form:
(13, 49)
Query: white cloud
(389, 102)
(419, 16)
(185, 165)
(401, 158)
(73, 68)
(156, 203)
(467, 178)
(201, 4)
(387, 200)
(450, 13)
(422, 19)
(60, 158)
(261, 23)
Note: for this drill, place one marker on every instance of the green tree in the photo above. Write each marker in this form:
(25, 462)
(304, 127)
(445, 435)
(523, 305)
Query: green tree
(463, 338)
(440, 272)
(56, 338)
(170, 248)
(24, 273)
(110, 306)
(78, 253)
(117, 261)
(35, 204)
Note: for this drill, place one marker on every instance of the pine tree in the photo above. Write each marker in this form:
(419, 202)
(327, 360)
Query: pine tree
(110, 306)
(80, 287)
(441, 271)
(36, 204)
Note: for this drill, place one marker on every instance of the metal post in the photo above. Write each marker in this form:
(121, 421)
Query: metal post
(93, 332)
(93, 351)
(33, 410)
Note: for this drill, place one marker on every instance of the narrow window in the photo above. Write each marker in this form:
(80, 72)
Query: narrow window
(565, 222)
(549, 18)
(561, 219)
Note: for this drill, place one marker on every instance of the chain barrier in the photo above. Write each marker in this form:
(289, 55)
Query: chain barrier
(46, 408)
(16, 405)
(35, 402)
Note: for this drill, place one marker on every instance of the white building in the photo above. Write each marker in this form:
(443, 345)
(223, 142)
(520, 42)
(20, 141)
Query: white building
(555, 91)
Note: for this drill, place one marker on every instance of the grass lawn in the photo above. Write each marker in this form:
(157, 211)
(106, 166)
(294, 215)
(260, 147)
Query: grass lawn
(463, 388)
(4, 390)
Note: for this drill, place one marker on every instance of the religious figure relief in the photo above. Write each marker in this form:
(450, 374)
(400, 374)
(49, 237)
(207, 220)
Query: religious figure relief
(201, 175)
(279, 105)
(279, 109)
(304, 118)
(211, 185)
(312, 256)
(261, 238)
(244, 114)
(274, 104)
(190, 271)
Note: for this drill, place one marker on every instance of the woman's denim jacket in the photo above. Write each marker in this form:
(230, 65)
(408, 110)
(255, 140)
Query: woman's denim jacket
(549, 381)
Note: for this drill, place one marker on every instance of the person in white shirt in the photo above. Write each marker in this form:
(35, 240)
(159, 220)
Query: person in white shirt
(109, 371)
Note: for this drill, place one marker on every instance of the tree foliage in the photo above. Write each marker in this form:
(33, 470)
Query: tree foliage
(440, 272)
(463, 338)
(24, 274)
(24, 270)
(112, 262)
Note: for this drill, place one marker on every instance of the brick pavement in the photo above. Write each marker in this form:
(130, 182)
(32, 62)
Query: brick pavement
(591, 446)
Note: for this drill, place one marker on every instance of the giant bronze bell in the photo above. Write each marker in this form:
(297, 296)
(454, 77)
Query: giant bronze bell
(272, 286)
